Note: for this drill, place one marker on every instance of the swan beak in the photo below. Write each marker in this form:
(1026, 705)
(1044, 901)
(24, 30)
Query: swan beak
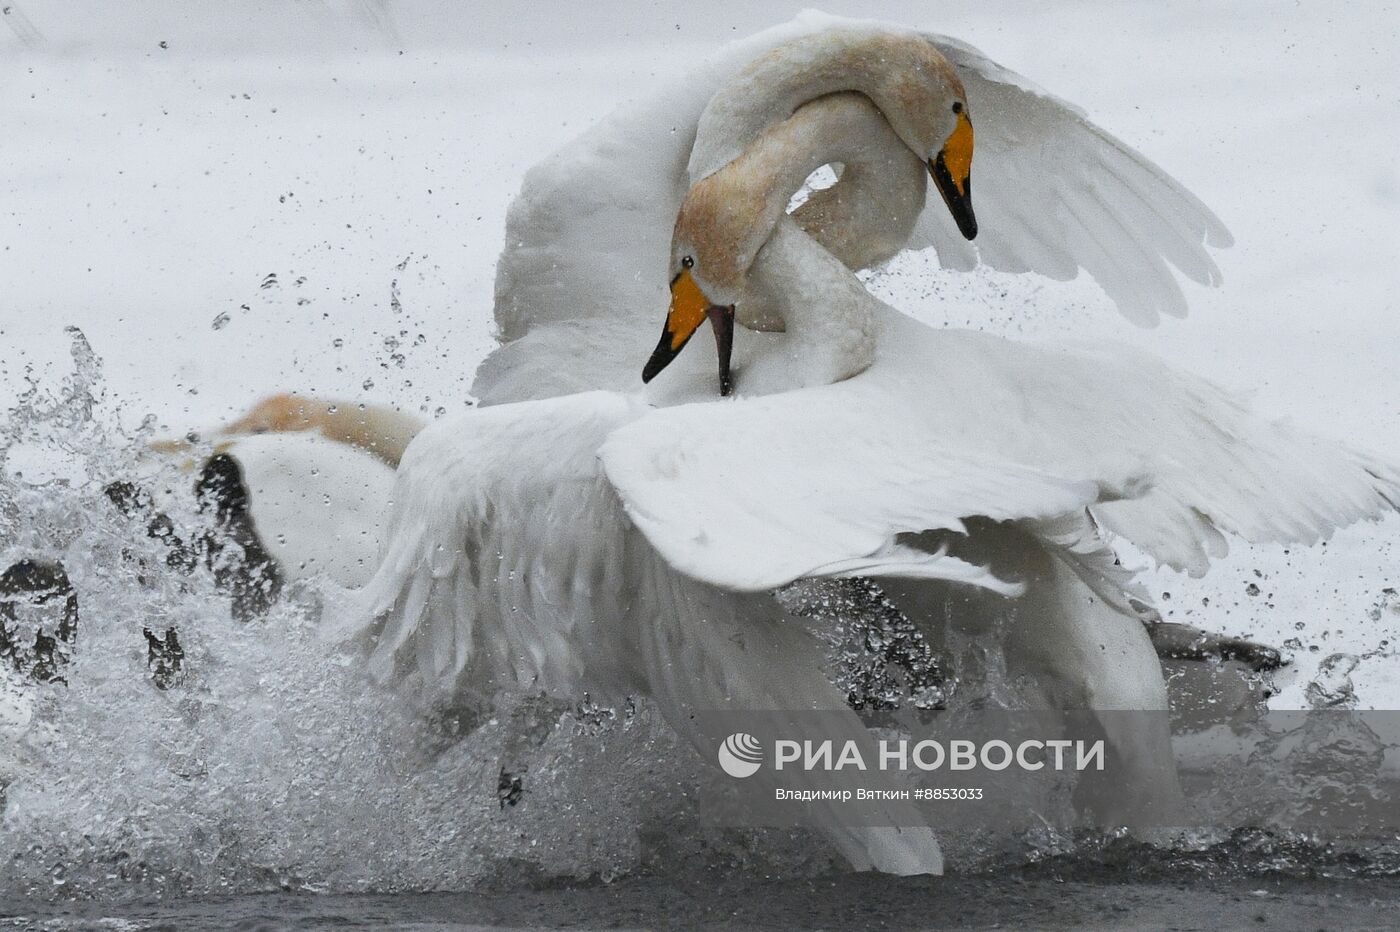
(722, 320)
(951, 169)
(689, 309)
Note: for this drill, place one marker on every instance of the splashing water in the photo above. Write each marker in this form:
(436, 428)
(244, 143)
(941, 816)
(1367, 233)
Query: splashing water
(270, 762)
(273, 763)
(1332, 688)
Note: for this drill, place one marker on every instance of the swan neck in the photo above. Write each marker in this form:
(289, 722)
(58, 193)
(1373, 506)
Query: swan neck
(877, 201)
(829, 316)
(382, 432)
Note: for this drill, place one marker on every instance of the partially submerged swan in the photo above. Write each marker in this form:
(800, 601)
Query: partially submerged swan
(314, 477)
(317, 506)
(294, 490)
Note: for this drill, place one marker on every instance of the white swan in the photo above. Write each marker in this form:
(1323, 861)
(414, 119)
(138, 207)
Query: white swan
(524, 603)
(316, 476)
(512, 564)
(318, 507)
(587, 243)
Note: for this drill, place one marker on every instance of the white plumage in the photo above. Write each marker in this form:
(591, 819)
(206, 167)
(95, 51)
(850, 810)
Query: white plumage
(587, 243)
(517, 560)
(319, 476)
(1056, 194)
(318, 506)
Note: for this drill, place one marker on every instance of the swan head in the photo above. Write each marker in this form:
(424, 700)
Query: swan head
(281, 413)
(902, 73)
(719, 230)
(919, 92)
(691, 305)
(728, 215)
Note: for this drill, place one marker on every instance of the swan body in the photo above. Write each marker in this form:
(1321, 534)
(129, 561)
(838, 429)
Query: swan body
(624, 540)
(317, 505)
(319, 475)
(484, 586)
(316, 475)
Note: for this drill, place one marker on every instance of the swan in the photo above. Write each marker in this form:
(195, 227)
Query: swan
(592, 541)
(529, 608)
(301, 481)
(274, 509)
(294, 489)
(587, 240)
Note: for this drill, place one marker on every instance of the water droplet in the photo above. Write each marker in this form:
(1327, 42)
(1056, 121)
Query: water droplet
(1332, 687)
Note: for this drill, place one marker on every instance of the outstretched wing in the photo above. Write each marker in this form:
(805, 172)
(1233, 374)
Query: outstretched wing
(753, 494)
(585, 263)
(1055, 193)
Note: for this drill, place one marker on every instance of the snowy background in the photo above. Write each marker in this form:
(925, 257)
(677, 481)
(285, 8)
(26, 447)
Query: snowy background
(235, 198)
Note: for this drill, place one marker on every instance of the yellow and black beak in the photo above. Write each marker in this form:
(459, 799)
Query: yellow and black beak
(952, 172)
(689, 308)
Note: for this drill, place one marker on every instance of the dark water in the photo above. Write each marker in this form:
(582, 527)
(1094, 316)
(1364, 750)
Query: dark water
(1016, 900)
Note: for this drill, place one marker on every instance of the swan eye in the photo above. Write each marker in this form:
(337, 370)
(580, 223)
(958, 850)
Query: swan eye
(957, 106)
(687, 262)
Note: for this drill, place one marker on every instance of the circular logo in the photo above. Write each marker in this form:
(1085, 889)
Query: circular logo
(740, 755)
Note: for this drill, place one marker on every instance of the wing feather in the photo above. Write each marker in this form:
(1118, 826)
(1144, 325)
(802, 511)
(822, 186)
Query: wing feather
(753, 493)
(716, 489)
(1044, 173)
(502, 525)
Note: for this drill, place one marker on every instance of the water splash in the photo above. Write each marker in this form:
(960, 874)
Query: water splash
(269, 761)
(880, 658)
(1332, 687)
(265, 760)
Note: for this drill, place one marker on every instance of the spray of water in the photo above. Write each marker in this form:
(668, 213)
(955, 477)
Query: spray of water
(267, 760)
(271, 761)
